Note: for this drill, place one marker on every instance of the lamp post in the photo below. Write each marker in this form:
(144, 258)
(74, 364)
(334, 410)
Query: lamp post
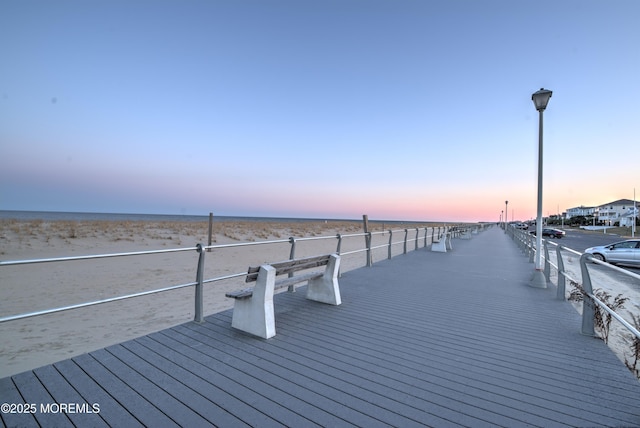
(505, 215)
(635, 214)
(540, 99)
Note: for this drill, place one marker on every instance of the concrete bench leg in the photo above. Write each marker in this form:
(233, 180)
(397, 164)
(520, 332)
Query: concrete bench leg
(439, 246)
(326, 289)
(447, 241)
(255, 314)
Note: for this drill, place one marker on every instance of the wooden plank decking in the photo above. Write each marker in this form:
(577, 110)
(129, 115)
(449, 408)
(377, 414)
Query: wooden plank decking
(425, 339)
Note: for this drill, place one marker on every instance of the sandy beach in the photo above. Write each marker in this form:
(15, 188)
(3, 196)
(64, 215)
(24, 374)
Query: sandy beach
(33, 342)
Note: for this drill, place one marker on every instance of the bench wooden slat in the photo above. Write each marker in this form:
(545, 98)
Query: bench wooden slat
(290, 266)
(248, 292)
(297, 279)
(240, 294)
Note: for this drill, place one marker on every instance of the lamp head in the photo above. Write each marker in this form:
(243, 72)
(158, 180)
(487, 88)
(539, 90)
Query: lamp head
(541, 98)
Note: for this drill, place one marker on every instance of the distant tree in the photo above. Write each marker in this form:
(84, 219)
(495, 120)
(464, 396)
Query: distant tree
(579, 220)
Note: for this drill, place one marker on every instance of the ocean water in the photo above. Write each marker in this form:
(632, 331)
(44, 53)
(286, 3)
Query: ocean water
(81, 216)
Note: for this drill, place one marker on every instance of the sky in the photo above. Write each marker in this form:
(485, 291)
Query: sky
(399, 109)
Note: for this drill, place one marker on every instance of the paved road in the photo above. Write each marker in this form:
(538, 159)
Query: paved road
(579, 241)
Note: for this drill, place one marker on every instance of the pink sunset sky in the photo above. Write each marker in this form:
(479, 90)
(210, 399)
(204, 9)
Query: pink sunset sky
(399, 109)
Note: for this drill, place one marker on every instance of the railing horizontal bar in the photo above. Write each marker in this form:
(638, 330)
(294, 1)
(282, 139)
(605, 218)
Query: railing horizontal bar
(316, 238)
(615, 315)
(95, 302)
(346, 253)
(379, 246)
(221, 278)
(245, 244)
(571, 250)
(616, 268)
(354, 235)
(93, 256)
(570, 278)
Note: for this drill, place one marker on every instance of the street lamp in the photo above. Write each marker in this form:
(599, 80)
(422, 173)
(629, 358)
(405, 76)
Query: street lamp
(540, 100)
(505, 215)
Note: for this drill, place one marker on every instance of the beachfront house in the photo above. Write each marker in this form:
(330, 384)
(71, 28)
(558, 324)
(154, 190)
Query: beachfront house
(626, 220)
(580, 211)
(614, 212)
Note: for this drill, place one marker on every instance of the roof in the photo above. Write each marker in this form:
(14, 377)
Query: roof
(618, 202)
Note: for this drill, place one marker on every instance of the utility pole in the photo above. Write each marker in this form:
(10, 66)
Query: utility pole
(635, 214)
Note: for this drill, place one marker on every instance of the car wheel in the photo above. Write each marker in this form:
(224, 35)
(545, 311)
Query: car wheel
(599, 257)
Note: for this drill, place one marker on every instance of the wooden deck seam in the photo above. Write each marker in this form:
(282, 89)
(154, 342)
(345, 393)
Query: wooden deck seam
(454, 407)
(464, 385)
(371, 410)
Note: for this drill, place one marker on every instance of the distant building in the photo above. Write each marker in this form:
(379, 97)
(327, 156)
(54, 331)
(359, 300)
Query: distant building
(580, 211)
(626, 220)
(616, 211)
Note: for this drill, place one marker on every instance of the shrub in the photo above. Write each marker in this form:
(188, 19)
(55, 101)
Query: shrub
(635, 350)
(602, 318)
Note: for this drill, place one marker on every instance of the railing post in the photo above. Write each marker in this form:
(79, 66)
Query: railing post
(292, 255)
(406, 231)
(390, 241)
(417, 233)
(338, 248)
(433, 234)
(426, 232)
(367, 238)
(199, 285)
(588, 305)
(210, 230)
(561, 279)
(530, 247)
(547, 265)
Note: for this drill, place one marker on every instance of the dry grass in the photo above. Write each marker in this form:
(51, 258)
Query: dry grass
(624, 232)
(34, 234)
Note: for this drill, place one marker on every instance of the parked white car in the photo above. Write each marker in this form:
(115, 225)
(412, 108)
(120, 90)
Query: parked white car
(624, 252)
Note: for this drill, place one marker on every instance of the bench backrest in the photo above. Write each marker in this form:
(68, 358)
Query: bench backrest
(290, 266)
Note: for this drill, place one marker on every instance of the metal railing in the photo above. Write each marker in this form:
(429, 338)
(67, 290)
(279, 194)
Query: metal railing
(526, 242)
(421, 235)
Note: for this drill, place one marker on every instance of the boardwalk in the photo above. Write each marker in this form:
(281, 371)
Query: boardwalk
(425, 339)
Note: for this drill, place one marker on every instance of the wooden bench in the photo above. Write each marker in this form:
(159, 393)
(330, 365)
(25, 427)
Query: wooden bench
(253, 308)
(443, 243)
